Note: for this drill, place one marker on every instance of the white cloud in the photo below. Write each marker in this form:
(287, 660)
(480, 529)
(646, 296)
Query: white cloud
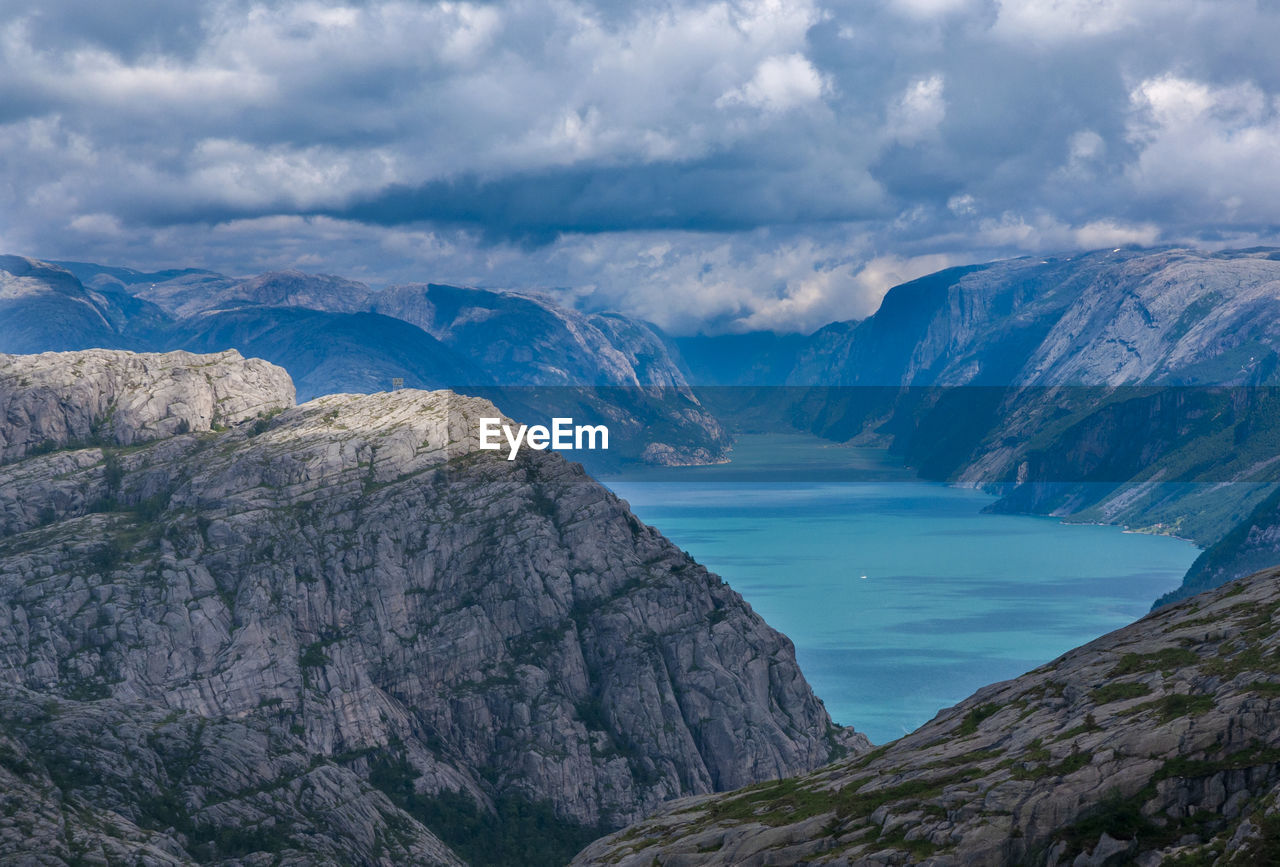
(925, 9)
(1042, 231)
(963, 205)
(738, 283)
(918, 111)
(772, 125)
(1086, 145)
(1210, 148)
(1106, 233)
(779, 84)
(101, 225)
(237, 174)
(1054, 20)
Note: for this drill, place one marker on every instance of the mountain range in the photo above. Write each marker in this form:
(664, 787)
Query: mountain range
(1127, 386)
(240, 629)
(538, 360)
(338, 632)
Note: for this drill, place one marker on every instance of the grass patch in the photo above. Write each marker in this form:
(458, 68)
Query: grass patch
(791, 800)
(975, 717)
(1195, 768)
(1072, 763)
(1137, 663)
(1176, 706)
(1234, 660)
(314, 656)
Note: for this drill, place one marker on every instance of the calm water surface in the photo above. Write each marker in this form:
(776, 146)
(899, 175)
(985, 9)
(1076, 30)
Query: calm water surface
(901, 596)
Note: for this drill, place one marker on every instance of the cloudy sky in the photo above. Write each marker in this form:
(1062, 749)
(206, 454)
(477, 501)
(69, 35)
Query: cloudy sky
(714, 165)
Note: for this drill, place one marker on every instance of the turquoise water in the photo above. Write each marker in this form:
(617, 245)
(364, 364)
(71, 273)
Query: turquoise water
(900, 596)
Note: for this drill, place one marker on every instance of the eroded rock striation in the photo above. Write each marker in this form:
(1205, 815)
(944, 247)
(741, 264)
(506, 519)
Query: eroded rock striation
(368, 595)
(117, 398)
(1159, 740)
(118, 782)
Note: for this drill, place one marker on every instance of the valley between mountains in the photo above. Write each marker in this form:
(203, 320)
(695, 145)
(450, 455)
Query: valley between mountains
(1156, 744)
(240, 629)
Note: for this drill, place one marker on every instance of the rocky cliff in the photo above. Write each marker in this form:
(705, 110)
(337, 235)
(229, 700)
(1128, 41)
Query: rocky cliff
(1108, 317)
(1158, 743)
(365, 594)
(129, 782)
(531, 356)
(116, 398)
(1128, 386)
(526, 339)
(554, 361)
(44, 308)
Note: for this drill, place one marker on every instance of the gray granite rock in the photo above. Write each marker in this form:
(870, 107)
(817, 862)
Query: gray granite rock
(112, 397)
(355, 580)
(1161, 739)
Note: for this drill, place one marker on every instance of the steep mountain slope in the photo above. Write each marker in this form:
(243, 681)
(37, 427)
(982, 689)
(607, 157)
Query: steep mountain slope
(355, 579)
(1120, 317)
(552, 361)
(530, 356)
(1159, 740)
(329, 353)
(1254, 543)
(1128, 386)
(44, 308)
(527, 340)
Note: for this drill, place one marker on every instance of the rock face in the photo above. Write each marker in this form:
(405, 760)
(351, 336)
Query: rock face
(43, 307)
(1127, 386)
(1159, 740)
(524, 339)
(356, 581)
(1113, 317)
(124, 782)
(329, 353)
(55, 400)
(335, 335)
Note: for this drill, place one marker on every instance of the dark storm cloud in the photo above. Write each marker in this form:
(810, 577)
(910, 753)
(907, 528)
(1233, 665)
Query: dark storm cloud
(724, 194)
(745, 163)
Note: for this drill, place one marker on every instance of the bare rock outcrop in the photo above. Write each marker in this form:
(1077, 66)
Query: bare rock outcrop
(356, 578)
(1158, 740)
(112, 397)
